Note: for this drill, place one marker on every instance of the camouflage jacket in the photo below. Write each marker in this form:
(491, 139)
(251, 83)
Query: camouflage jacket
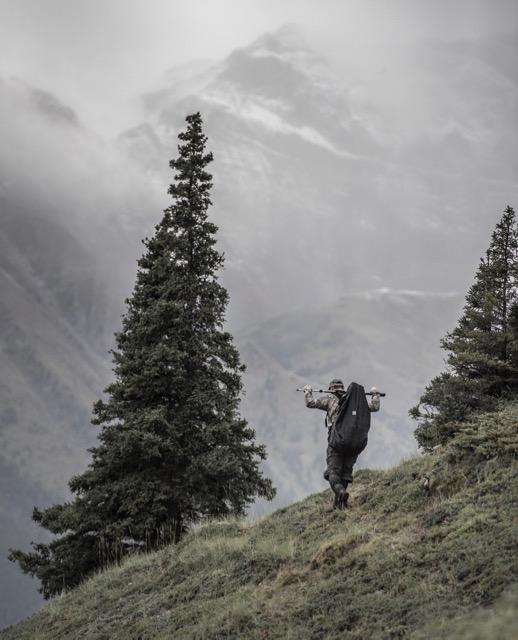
(329, 403)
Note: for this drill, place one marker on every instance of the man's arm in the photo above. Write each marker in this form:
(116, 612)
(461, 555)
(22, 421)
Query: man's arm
(374, 402)
(315, 403)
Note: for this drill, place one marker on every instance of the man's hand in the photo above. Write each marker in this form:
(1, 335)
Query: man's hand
(307, 389)
(375, 391)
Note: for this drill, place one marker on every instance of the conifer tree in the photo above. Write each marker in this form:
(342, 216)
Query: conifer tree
(483, 357)
(172, 447)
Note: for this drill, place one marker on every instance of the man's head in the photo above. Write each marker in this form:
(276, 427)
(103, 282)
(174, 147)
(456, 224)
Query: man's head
(336, 385)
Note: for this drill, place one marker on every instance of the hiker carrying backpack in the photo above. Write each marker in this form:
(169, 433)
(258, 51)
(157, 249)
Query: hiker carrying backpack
(348, 423)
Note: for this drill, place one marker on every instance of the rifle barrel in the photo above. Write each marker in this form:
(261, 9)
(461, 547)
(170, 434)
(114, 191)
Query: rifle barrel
(367, 393)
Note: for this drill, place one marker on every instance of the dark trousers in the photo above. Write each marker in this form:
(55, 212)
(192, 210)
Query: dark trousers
(339, 472)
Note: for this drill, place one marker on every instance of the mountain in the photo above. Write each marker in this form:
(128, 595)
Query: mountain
(307, 165)
(317, 194)
(402, 562)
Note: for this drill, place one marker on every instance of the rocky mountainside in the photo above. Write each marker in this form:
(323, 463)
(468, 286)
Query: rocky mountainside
(50, 375)
(402, 562)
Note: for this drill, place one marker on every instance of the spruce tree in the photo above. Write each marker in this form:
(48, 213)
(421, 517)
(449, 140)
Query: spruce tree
(482, 349)
(173, 448)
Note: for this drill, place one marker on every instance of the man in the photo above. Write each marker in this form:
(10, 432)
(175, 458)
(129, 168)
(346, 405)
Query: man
(339, 472)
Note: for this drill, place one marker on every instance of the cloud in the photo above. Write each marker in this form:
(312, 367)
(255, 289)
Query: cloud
(53, 165)
(52, 44)
(389, 292)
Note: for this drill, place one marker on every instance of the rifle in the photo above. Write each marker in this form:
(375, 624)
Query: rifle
(367, 393)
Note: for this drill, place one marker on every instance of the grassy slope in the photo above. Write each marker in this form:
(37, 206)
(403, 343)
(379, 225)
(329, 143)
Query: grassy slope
(402, 562)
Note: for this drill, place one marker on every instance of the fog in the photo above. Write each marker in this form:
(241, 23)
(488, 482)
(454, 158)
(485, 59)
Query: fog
(98, 55)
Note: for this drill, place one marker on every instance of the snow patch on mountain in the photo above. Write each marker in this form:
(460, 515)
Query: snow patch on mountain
(260, 111)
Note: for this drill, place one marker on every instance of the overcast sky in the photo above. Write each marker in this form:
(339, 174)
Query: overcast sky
(97, 55)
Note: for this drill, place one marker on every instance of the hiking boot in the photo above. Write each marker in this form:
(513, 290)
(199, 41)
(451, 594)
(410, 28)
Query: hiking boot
(330, 507)
(342, 499)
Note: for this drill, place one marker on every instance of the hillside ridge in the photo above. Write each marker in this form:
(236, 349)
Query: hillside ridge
(426, 550)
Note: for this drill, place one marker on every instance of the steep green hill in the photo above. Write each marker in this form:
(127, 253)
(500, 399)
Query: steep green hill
(428, 549)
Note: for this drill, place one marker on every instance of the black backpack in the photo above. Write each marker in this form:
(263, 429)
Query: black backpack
(350, 429)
